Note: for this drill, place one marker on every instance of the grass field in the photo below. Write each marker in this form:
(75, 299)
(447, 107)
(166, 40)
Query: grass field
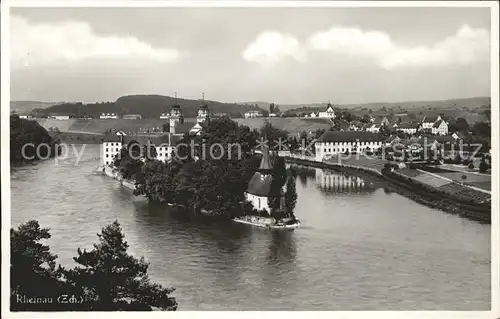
(101, 126)
(476, 180)
(431, 180)
(292, 125)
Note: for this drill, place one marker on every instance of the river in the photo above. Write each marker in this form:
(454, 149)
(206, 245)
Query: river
(360, 247)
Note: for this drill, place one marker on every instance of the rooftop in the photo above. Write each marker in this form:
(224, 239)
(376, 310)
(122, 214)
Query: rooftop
(260, 184)
(349, 136)
(436, 125)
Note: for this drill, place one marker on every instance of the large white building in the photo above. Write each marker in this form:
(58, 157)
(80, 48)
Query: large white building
(251, 114)
(340, 142)
(108, 116)
(112, 146)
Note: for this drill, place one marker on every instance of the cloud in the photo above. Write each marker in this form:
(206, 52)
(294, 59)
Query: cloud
(272, 46)
(466, 46)
(47, 43)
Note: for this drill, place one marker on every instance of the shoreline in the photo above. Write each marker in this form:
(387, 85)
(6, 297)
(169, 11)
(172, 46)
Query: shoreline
(268, 223)
(424, 194)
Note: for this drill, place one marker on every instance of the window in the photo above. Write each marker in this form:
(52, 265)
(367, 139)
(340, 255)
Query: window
(107, 149)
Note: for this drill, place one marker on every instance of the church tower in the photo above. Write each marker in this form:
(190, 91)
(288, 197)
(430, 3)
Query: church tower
(259, 187)
(176, 116)
(203, 115)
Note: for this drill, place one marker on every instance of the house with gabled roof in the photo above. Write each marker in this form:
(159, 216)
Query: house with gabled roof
(440, 127)
(329, 113)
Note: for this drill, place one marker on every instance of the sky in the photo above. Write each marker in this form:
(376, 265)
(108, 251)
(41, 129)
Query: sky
(281, 55)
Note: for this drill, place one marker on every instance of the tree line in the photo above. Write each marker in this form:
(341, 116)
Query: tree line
(29, 141)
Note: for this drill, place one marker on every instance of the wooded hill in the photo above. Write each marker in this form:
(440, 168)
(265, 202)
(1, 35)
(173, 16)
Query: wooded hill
(149, 106)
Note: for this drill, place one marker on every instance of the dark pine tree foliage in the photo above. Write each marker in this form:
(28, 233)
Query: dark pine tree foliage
(106, 279)
(110, 279)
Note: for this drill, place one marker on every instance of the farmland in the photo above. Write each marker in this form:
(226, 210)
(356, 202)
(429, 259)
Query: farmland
(292, 125)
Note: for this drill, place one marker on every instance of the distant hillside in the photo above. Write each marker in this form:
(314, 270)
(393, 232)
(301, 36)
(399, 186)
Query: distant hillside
(25, 107)
(470, 103)
(149, 106)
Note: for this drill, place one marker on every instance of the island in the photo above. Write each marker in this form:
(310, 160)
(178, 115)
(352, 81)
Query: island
(209, 169)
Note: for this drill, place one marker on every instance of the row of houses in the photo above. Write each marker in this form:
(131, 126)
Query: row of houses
(125, 116)
(434, 125)
(333, 143)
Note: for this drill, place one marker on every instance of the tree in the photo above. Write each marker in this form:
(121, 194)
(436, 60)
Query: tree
(276, 109)
(483, 166)
(290, 195)
(279, 178)
(33, 269)
(22, 133)
(273, 135)
(460, 125)
(271, 108)
(366, 118)
(109, 278)
(149, 152)
(128, 161)
(482, 128)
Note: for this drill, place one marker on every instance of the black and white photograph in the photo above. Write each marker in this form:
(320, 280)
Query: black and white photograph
(250, 156)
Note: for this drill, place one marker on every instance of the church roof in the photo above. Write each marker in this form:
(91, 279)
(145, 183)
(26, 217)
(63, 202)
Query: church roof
(260, 184)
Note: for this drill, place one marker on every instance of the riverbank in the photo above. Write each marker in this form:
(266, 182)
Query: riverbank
(250, 220)
(114, 174)
(451, 197)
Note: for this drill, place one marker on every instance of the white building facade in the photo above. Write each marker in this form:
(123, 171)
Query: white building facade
(329, 113)
(108, 116)
(59, 117)
(428, 122)
(334, 143)
(252, 114)
(440, 128)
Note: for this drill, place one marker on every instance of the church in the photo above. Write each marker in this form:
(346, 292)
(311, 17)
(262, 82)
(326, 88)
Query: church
(164, 144)
(259, 187)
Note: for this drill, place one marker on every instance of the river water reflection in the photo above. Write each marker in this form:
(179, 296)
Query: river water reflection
(360, 247)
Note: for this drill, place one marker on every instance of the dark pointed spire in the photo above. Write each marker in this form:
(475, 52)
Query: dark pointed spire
(265, 163)
(176, 105)
(203, 105)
